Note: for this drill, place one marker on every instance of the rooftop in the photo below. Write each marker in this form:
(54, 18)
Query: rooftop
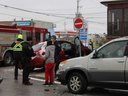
(106, 2)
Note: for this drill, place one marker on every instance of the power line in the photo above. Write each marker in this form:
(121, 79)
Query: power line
(94, 2)
(59, 21)
(99, 29)
(54, 22)
(46, 14)
(27, 17)
(97, 22)
(64, 9)
(97, 2)
(82, 14)
(15, 16)
(94, 17)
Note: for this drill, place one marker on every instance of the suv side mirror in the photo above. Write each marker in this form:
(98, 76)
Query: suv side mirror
(95, 54)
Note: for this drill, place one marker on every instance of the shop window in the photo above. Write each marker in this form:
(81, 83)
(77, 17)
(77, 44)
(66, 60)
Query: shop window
(114, 15)
(115, 29)
(37, 36)
(115, 22)
(126, 14)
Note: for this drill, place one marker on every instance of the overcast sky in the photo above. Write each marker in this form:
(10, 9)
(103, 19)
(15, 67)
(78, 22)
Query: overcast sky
(94, 12)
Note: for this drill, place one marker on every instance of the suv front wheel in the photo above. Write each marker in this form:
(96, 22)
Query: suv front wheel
(77, 84)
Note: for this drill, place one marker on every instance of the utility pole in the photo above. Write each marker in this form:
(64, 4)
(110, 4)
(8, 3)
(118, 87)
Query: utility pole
(77, 16)
(64, 26)
(77, 7)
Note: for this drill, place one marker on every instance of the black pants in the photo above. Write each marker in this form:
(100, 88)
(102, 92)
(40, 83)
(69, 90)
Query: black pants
(26, 71)
(17, 60)
(56, 63)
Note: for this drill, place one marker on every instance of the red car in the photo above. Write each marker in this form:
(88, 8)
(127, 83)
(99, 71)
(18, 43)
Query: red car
(69, 50)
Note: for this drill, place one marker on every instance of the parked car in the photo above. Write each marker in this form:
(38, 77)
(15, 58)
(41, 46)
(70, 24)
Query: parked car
(1, 79)
(69, 50)
(106, 67)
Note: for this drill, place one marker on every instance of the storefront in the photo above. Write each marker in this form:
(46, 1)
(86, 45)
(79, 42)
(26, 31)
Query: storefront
(117, 18)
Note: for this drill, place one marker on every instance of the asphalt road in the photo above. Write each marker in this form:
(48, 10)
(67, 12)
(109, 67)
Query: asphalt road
(10, 87)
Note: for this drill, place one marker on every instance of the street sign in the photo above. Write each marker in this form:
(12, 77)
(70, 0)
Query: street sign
(22, 23)
(84, 32)
(78, 23)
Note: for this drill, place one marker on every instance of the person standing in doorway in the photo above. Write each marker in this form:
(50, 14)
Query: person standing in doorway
(16, 47)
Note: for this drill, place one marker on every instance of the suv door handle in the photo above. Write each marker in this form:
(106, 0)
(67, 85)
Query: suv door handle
(120, 61)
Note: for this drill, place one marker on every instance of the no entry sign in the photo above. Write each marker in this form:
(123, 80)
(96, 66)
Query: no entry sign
(78, 23)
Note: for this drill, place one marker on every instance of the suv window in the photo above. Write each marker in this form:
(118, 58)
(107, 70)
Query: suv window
(115, 49)
(66, 46)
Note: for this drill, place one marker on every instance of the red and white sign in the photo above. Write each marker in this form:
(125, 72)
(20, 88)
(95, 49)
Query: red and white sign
(78, 23)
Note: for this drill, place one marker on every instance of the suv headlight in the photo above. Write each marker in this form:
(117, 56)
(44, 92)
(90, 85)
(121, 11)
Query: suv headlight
(61, 65)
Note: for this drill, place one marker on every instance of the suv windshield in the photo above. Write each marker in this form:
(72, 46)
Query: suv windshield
(36, 47)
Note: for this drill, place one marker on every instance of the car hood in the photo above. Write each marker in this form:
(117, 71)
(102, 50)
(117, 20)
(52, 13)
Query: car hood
(77, 62)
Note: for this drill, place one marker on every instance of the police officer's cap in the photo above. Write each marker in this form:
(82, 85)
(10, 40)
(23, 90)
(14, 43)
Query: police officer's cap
(29, 38)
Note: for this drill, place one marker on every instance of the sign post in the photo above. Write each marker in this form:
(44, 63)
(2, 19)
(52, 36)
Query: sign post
(78, 24)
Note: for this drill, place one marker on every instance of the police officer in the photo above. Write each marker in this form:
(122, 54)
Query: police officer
(16, 47)
(26, 57)
(57, 51)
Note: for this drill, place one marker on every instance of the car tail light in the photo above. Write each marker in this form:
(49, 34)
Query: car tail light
(43, 53)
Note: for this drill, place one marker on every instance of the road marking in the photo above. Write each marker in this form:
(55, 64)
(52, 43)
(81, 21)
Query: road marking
(43, 80)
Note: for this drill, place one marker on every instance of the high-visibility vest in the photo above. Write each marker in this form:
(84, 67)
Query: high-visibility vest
(95, 43)
(17, 47)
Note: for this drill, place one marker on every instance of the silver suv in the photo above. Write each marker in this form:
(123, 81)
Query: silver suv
(105, 67)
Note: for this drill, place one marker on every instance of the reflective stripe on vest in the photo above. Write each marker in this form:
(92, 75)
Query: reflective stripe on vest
(10, 48)
(18, 45)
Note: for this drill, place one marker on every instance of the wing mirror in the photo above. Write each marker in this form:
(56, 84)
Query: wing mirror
(43, 53)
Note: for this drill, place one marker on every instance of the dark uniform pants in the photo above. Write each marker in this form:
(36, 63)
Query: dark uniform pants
(17, 60)
(26, 71)
(56, 63)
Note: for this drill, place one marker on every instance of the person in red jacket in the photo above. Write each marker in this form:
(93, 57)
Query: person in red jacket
(49, 61)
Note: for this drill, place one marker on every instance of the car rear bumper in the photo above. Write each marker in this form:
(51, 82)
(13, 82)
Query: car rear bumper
(61, 76)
